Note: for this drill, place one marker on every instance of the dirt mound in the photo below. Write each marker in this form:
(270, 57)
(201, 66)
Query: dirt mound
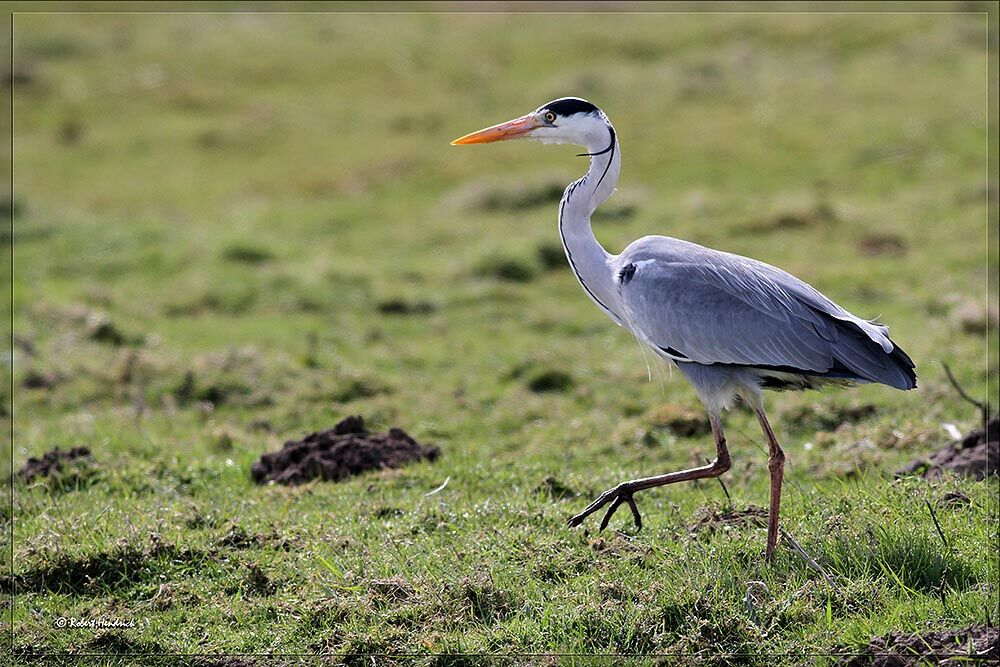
(338, 453)
(711, 519)
(974, 456)
(949, 647)
(52, 462)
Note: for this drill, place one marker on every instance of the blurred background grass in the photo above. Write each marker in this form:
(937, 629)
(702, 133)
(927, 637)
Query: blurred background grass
(233, 228)
(179, 169)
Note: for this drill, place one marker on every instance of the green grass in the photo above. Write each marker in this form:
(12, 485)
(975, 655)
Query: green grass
(232, 230)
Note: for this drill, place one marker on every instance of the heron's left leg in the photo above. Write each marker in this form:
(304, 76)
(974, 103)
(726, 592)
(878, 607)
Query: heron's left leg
(775, 464)
(622, 494)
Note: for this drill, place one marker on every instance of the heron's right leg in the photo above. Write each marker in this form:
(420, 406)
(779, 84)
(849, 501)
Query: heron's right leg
(623, 492)
(776, 466)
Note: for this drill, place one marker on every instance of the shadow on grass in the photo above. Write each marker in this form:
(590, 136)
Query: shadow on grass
(104, 573)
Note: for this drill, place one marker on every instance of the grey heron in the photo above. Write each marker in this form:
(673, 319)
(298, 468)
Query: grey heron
(734, 326)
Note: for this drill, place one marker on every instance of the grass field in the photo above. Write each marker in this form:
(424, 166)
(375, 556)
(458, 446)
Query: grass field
(231, 230)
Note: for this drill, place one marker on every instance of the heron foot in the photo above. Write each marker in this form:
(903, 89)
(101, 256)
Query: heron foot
(617, 496)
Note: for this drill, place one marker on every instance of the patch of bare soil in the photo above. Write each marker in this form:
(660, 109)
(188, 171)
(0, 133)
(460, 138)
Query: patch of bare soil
(882, 244)
(955, 499)
(237, 538)
(829, 417)
(711, 519)
(817, 216)
(392, 590)
(554, 489)
(681, 421)
(977, 644)
(334, 455)
(974, 456)
(53, 461)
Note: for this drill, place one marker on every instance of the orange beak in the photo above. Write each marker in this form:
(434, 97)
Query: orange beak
(512, 129)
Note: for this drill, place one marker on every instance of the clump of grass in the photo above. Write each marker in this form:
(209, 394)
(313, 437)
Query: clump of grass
(550, 380)
(509, 269)
(100, 328)
(38, 379)
(103, 573)
(244, 253)
(523, 197)
(554, 489)
(400, 306)
(551, 256)
(903, 559)
(615, 212)
(512, 197)
(216, 390)
(679, 420)
(356, 388)
(238, 538)
(116, 643)
(234, 299)
(485, 601)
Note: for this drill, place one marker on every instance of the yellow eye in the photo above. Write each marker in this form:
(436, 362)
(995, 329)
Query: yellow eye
(549, 117)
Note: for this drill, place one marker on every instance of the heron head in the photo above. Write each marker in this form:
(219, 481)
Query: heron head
(568, 120)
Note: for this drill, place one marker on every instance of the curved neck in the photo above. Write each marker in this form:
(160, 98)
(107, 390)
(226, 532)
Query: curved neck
(590, 261)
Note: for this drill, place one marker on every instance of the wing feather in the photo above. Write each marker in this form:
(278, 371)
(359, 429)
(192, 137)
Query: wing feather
(717, 308)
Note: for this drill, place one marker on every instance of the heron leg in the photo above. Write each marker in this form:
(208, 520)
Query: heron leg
(775, 464)
(622, 494)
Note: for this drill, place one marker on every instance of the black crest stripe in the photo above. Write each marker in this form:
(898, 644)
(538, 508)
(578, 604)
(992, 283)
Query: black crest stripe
(567, 106)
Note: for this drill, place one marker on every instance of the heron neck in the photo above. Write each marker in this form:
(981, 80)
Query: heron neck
(588, 259)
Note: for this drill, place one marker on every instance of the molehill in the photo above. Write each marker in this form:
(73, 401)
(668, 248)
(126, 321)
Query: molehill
(345, 450)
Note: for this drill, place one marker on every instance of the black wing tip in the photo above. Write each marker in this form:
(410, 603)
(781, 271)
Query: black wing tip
(898, 373)
(904, 378)
(905, 366)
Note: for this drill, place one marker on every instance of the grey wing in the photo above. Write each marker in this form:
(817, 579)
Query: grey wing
(717, 308)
